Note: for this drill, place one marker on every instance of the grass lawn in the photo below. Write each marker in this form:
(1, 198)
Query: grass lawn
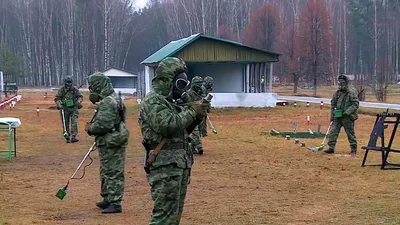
(242, 178)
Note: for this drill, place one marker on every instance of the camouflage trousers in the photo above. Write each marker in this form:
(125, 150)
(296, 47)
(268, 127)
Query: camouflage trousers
(168, 191)
(349, 129)
(71, 116)
(195, 140)
(203, 127)
(112, 164)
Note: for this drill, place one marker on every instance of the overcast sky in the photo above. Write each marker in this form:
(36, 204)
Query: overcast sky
(140, 3)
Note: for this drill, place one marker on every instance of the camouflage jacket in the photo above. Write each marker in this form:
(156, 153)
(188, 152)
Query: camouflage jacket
(195, 96)
(107, 125)
(206, 91)
(207, 85)
(63, 94)
(159, 117)
(347, 101)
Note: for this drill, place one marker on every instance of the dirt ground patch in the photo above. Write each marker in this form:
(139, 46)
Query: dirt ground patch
(243, 177)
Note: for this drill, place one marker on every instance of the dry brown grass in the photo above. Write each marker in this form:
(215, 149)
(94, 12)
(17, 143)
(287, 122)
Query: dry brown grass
(243, 177)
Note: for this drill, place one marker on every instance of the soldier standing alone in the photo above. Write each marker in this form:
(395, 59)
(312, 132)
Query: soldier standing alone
(344, 107)
(69, 99)
(108, 126)
(165, 127)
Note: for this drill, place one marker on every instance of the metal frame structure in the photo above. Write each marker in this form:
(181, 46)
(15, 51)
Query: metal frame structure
(12, 147)
(382, 122)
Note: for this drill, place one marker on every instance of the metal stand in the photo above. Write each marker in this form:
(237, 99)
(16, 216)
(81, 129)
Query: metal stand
(12, 137)
(382, 122)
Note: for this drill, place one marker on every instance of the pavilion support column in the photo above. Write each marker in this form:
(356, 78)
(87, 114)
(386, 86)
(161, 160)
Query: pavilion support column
(270, 77)
(251, 75)
(247, 79)
(265, 76)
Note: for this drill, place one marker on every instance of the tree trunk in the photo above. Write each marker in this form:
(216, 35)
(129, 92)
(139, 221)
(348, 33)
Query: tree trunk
(315, 79)
(203, 17)
(340, 45)
(106, 10)
(397, 52)
(345, 37)
(217, 12)
(375, 48)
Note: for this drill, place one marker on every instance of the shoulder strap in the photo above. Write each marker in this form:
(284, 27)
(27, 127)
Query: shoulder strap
(156, 151)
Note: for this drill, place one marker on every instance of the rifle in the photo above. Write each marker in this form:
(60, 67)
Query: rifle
(152, 154)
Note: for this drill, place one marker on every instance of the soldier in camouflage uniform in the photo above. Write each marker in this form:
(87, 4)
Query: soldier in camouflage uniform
(167, 125)
(344, 106)
(69, 99)
(196, 93)
(108, 126)
(208, 84)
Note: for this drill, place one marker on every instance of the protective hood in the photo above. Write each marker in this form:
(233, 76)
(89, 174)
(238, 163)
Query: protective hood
(208, 82)
(100, 84)
(68, 82)
(165, 73)
(197, 82)
(343, 82)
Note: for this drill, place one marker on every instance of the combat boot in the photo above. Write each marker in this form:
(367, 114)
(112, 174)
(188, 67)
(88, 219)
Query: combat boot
(103, 204)
(353, 152)
(112, 209)
(67, 140)
(73, 139)
(200, 152)
(195, 151)
(330, 150)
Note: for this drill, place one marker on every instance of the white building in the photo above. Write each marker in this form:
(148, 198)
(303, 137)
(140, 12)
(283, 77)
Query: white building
(237, 69)
(123, 81)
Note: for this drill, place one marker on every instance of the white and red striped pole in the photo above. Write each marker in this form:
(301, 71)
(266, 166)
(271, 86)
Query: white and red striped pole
(321, 105)
(37, 111)
(308, 104)
(308, 121)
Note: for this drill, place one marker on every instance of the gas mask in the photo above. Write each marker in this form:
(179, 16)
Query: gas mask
(180, 84)
(209, 87)
(342, 85)
(93, 96)
(68, 85)
(197, 88)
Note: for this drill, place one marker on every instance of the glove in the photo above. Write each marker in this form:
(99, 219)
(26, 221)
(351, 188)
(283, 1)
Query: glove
(200, 109)
(78, 104)
(205, 105)
(87, 129)
(59, 105)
